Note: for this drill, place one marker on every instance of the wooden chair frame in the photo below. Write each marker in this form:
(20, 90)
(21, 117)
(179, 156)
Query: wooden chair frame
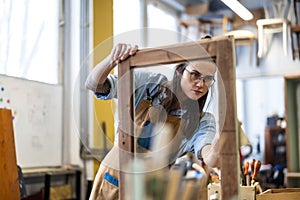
(223, 51)
(295, 31)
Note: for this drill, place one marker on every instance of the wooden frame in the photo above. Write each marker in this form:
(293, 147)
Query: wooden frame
(222, 50)
(293, 174)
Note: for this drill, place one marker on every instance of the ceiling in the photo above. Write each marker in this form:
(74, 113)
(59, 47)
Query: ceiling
(179, 5)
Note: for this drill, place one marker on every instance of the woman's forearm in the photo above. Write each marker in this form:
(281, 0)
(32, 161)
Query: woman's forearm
(98, 75)
(96, 80)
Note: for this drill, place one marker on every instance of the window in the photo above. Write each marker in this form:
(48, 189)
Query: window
(162, 24)
(159, 21)
(29, 38)
(126, 15)
(158, 18)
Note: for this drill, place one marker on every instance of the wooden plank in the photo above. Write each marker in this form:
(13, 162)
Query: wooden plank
(293, 174)
(226, 67)
(204, 49)
(198, 9)
(9, 180)
(278, 194)
(125, 127)
(229, 159)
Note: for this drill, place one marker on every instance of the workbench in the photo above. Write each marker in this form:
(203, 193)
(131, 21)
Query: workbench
(53, 176)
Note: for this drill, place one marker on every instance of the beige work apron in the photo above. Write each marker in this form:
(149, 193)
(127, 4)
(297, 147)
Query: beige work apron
(104, 189)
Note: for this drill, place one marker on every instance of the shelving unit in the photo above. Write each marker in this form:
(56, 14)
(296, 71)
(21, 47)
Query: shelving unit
(275, 145)
(54, 176)
(292, 109)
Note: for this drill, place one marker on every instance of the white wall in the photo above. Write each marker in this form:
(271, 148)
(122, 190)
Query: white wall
(262, 88)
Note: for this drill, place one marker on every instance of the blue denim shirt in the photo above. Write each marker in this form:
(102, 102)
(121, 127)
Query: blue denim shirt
(144, 81)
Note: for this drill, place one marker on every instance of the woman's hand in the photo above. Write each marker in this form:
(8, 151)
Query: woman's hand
(122, 51)
(97, 77)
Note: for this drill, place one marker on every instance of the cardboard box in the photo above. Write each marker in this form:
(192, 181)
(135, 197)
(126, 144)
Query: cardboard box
(246, 192)
(280, 194)
(60, 192)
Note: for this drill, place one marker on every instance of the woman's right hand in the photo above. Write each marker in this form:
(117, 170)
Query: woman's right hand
(122, 51)
(98, 75)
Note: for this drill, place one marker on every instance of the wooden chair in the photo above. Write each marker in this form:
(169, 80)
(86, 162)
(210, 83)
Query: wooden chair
(276, 21)
(221, 49)
(245, 32)
(295, 30)
(206, 24)
(198, 21)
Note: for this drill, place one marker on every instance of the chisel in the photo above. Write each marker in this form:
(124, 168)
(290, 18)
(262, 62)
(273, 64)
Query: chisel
(255, 172)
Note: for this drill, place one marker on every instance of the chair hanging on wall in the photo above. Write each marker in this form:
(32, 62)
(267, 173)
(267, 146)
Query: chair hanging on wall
(295, 30)
(198, 21)
(276, 21)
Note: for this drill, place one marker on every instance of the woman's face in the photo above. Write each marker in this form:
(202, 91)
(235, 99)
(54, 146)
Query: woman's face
(197, 78)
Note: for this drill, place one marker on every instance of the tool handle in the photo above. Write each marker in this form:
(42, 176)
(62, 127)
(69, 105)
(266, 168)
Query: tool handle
(252, 166)
(256, 169)
(246, 168)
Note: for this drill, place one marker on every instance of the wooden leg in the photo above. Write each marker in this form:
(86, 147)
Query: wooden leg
(78, 184)
(47, 187)
(260, 30)
(298, 44)
(257, 58)
(292, 45)
(284, 37)
(251, 49)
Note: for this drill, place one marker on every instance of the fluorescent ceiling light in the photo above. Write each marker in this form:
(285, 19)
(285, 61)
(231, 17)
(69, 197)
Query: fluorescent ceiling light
(239, 9)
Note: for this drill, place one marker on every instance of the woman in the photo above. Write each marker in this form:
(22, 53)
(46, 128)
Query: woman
(181, 99)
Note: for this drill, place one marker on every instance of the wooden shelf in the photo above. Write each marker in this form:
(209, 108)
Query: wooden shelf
(48, 175)
(275, 145)
(293, 174)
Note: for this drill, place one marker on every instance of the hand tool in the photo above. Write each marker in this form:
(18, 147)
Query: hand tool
(246, 174)
(255, 172)
(252, 166)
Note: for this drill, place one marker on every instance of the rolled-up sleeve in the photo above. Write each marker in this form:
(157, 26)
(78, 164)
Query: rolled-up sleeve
(142, 80)
(204, 135)
(112, 79)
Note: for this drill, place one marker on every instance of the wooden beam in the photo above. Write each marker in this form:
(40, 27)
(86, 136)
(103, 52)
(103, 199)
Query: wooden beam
(9, 180)
(125, 125)
(174, 53)
(225, 60)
